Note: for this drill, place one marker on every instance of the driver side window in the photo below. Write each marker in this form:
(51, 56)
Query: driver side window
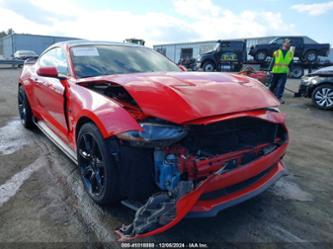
(55, 58)
(279, 41)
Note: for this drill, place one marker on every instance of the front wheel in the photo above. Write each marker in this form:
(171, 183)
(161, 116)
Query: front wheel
(97, 166)
(260, 55)
(24, 108)
(208, 66)
(322, 97)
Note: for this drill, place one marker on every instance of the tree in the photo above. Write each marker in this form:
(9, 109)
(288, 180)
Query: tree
(4, 33)
(10, 31)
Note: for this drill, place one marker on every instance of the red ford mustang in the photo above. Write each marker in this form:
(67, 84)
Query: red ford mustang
(164, 142)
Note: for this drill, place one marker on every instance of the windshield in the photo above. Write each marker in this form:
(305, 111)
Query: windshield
(90, 61)
(217, 45)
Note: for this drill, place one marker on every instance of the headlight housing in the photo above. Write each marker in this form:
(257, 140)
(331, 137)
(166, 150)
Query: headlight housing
(154, 135)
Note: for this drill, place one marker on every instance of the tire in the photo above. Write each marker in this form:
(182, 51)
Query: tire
(208, 66)
(24, 108)
(296, 72)
(261, 55)
(97, 165)
(322, 97)
(310, 56)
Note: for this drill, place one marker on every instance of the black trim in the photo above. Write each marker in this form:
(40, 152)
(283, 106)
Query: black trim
(239, 186)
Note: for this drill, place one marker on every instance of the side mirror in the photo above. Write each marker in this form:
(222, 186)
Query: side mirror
(51, 72)
(182, 68)
(30, 61)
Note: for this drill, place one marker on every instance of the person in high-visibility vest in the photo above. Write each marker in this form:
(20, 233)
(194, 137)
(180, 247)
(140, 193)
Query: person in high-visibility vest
(280, 62)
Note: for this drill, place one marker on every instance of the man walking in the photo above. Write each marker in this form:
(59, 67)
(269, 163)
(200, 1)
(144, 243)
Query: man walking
(280, 62)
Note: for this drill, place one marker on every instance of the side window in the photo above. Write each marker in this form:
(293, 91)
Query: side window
(55, 58)
(279, 41)
(47, 59)
(60, 61)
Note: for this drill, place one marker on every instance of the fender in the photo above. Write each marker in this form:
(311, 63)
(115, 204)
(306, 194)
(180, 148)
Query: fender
(109, 116)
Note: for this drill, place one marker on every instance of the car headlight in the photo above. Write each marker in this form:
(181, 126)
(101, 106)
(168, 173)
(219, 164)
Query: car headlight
(314, 81)
(154, 135)
(309, 80)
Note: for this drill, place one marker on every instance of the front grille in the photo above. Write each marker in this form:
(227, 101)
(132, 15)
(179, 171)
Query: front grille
(231, 135)
(234, 188)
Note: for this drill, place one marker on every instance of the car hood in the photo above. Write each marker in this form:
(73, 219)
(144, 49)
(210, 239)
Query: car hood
(180, 97)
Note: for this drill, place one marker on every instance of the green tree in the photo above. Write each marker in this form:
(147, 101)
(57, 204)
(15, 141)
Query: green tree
(8, 32)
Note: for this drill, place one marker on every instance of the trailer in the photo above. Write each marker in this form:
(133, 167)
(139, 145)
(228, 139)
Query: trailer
(297, 67)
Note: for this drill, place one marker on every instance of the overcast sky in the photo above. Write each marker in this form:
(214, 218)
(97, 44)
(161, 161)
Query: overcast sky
(166, 21)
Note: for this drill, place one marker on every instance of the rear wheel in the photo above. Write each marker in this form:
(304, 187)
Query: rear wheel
(98, 168)
(310, 56)
(296, 71)
(322, 97)
(24, 109)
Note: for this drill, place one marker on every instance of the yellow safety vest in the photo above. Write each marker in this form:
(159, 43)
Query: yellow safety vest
(281, 63)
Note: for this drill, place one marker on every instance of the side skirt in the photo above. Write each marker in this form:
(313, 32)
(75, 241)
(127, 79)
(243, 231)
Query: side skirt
(57, 140)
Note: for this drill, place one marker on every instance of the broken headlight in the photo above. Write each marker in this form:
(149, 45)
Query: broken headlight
(154, 135)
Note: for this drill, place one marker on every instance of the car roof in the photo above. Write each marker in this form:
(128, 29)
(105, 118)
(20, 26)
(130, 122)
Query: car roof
(74, 43)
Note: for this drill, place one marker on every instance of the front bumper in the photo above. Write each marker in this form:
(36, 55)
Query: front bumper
(265, 170)
(304, 91)
(211, 207)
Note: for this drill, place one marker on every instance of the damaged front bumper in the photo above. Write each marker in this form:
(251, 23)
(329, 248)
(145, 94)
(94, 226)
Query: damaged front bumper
(206, 198)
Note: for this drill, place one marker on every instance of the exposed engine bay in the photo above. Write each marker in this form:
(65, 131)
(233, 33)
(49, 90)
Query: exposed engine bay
(163, 163)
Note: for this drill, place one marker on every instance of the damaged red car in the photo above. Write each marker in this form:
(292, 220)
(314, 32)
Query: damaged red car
(164, 142)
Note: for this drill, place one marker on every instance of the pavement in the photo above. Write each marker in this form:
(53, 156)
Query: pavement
(42, 201)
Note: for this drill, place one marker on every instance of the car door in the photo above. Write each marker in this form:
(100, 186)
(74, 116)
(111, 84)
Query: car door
(49, 92)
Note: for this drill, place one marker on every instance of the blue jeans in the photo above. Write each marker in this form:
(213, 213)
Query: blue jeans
(278, 84)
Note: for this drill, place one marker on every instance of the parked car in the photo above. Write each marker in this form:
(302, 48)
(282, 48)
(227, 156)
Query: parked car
(262, 76)
(227, 55)
(319, 86)
(164, 142)
(306, 49)
(188, 63)
(25, 54)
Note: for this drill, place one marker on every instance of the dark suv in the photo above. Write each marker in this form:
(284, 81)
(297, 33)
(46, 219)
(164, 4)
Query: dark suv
(319, 86)
(227, 55)
(306, 48)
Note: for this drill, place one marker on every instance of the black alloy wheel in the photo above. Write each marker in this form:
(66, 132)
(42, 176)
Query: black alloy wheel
(97, 167)
(24, 108)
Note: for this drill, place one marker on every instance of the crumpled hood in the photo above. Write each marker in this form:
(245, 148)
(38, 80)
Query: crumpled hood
(180, 97)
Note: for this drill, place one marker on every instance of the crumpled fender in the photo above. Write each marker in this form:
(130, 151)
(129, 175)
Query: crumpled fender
(110, 117)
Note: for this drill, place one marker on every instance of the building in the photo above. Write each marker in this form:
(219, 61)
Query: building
(175, 51)
(38, 43)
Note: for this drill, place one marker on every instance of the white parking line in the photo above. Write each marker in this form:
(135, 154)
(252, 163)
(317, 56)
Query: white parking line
(11, 186)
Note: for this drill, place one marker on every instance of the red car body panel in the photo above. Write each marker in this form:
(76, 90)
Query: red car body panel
(186, 98)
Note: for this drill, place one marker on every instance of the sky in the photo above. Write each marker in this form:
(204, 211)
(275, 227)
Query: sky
(169, 21)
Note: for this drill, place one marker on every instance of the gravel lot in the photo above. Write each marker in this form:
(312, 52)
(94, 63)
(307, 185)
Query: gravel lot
(47, 202)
